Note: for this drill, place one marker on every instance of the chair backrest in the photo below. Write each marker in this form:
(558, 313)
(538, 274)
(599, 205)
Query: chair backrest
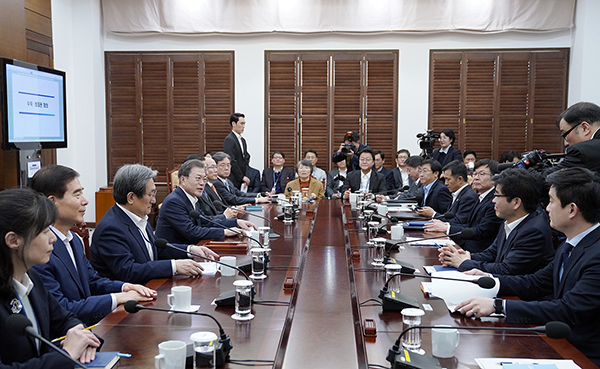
(172, 178)
(83, 232)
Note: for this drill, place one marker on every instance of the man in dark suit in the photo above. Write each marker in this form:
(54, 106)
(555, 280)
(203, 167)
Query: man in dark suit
(571, 279)
(365, 179)
(275, 178)
(446, 153)
(483, 219)
(398, 177)
(436, 194)
(380, 163)
(68, 275)
(524, 243)
(254, 177)
(335, 180)
(227, 192)
(176, 225)
(349, 151)
(123, 242)
(210, 202)
(235, 145)
(415, 189)
(464, 198)
(579, 127)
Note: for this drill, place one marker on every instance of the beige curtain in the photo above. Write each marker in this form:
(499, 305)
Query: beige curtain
(326, 16)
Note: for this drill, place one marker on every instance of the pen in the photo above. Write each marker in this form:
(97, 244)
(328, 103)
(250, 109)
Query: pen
(63, 337)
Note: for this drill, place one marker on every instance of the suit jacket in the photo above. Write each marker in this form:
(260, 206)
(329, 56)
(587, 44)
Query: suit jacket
(575, 298)
(352, 162)
(415, 192)
(453, 154)
(314, 186)
(266, 184)
(233, 196)
(176, 225)
(119, 252)
(377, 184)
(254, 176)
(332, 186)
(462, 207)
(483, 221)
(208, 208)
(584, 154)
(53, 321)
(239, 160)
(527, 249)
(385, 171)
(394, 180)
(82, 290)
(439, 197)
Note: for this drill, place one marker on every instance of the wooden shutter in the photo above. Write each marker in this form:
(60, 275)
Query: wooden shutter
(504, 99)
(380, 119)
(218, 99)
(347, 96)
(162, 107)
(282, 105)
(124, 143)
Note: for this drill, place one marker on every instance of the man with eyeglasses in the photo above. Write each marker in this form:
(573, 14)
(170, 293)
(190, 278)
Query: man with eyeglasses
(524, 243)
(229, 194)
(176, 225)
(210, 195)
(482, 220)
(436, 195)
(579, 128)
(123, 241)
(366, 179)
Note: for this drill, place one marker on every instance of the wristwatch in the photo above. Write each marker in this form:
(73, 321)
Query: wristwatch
(498, 306)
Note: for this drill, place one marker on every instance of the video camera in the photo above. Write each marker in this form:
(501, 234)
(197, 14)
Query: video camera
(536, 160)
(427, 141)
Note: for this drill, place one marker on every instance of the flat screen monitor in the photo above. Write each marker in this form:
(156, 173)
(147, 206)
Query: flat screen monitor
(33, 106)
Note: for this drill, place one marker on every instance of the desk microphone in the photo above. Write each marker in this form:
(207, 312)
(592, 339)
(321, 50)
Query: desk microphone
(413, 360)
(465, 233)
(223, 347)
(396, 301)
(226, 298)
(19, 324)
(272, 234)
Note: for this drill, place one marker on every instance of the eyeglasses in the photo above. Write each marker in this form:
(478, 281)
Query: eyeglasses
(366, 160)
(152, 194)
(496, 194)
(424, 170)
(224, 165)
(564, 135)
(481, 174)
(212, 167)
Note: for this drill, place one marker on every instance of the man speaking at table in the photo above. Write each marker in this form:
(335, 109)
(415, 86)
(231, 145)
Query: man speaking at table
(571, 279)
(123, 242)
(175, 224)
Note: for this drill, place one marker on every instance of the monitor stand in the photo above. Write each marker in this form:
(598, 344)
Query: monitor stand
(30, 161)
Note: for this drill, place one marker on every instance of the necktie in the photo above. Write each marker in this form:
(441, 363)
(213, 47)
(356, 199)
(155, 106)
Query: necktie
(565, 257)
(214, 189)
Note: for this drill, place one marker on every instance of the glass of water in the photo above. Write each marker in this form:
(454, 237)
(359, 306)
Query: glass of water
(204, 350)
(373, 230)
(412, 339)
(258, 263)
(379, 251)
(243, 300)
(390, 271)
(264, 235)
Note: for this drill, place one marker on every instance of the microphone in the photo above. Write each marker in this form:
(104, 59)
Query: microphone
(396, 301)
(223, 347)
(226, 298)
(465, 233)
(19, 324)
(196, 215)
(449, 215)
(272, 234)
(162, 244)
(552, 329)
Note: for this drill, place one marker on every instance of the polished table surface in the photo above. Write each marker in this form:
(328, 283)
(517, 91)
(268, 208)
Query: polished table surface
(318, 324)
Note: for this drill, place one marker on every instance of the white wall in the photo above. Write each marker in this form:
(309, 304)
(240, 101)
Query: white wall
(80, 44)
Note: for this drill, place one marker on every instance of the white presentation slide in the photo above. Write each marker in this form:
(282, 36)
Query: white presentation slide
(35, 105)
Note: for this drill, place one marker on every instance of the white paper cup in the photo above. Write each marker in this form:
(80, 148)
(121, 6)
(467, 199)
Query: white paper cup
(229, 260)
(397, 232)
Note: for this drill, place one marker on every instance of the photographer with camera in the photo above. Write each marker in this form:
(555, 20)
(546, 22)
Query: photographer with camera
(349, 151)
(579, 126)
(335, 180)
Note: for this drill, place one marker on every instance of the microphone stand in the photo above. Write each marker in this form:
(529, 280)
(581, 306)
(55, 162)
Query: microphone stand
(222, 348)
(272, 233)
(226, 298)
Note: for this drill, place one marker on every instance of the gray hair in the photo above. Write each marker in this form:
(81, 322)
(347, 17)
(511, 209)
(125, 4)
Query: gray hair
(306, 163)
(131, 178)
(220, 156)
(186, 168)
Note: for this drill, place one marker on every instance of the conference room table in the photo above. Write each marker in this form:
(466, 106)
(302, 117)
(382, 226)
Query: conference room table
(319, 323)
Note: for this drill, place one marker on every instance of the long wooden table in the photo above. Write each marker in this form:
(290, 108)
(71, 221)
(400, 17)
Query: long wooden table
(322, 327)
